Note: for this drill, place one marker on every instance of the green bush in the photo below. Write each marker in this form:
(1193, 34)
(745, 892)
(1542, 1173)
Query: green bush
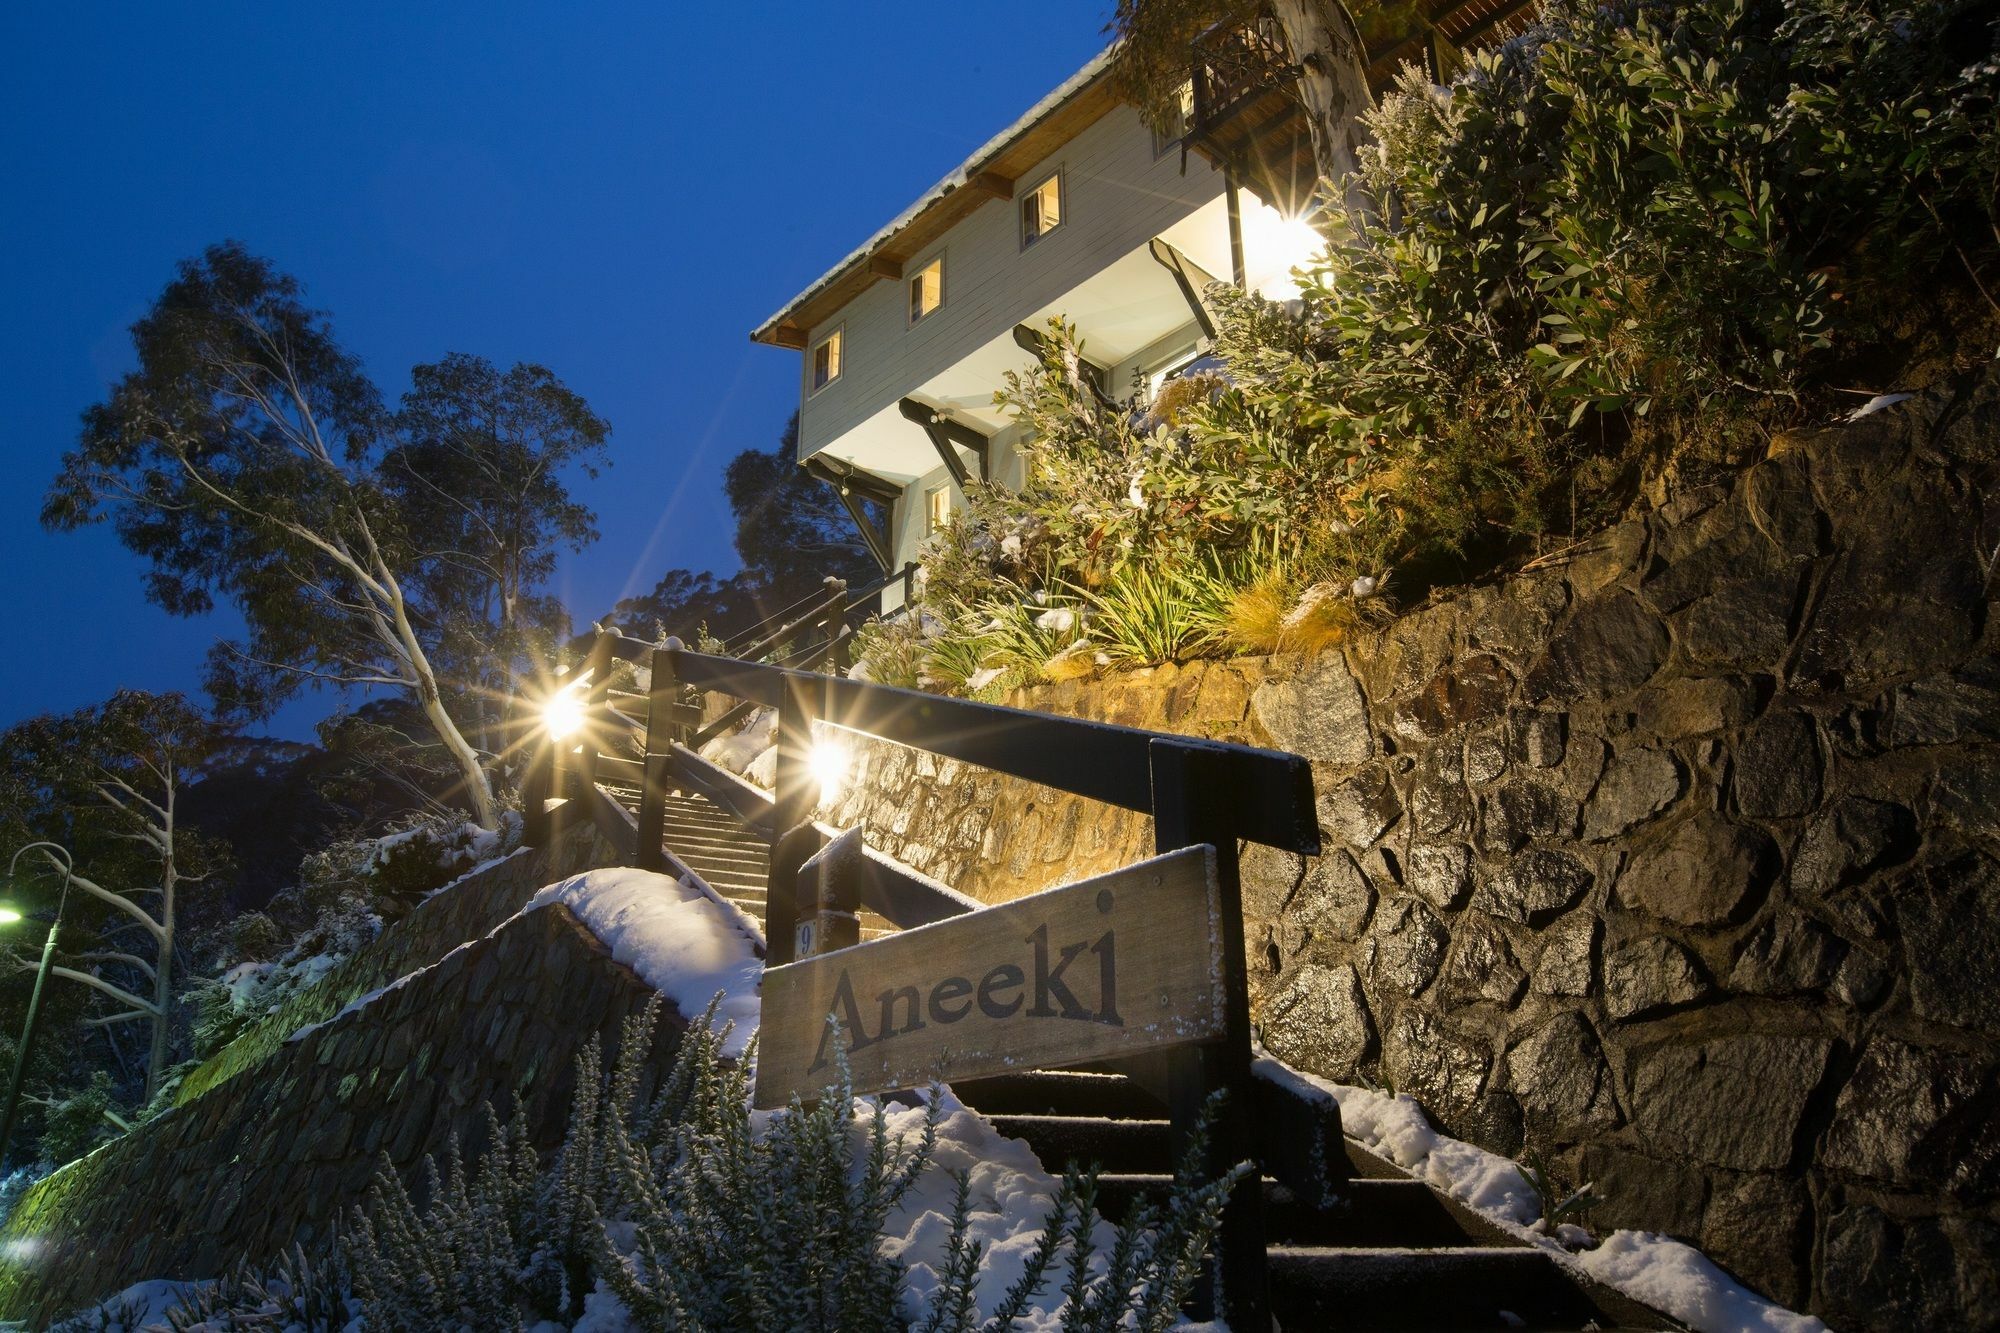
(1624, 246)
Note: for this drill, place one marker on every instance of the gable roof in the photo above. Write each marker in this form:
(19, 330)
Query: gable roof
(990, 173)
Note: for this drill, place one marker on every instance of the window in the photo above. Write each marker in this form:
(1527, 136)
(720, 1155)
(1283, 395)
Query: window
(1168, 137)
(1042, 210)
(826, 360)
(927, 289)
(937, 509)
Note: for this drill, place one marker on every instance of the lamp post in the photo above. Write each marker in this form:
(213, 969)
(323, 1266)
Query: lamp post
(35, 999)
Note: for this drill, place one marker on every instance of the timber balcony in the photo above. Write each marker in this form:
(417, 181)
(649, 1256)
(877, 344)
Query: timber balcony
(1246, 116)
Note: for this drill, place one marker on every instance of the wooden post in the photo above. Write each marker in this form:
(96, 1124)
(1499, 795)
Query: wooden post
(836, 627)
(793, 800)
(1189, 808)
(535, 795)
(662, 730)
(781, 900)
(827, 892)
(598, 664)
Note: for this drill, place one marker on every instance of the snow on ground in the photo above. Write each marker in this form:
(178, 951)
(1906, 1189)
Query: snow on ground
(1664, 1273)
(1011, 1197)
(1877, 404)
(141, 1306)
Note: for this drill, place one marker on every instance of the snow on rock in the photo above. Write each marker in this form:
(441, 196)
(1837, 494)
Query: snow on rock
(1679, 1280)
(737, 750)
(1395, 1128)
(1877, 403)
(683, 942)
(1661, 1272)
(983, 677)
(677, 938)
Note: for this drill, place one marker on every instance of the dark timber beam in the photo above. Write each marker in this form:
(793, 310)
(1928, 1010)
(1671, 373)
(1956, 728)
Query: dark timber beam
(1186, 272)
(945, 433)
(884, 267)
(852, 484)
(1035, 343)
(992, 183)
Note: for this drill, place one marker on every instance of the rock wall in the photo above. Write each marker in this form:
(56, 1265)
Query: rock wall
(285, 1149)
(1675, 859)
(465, 909)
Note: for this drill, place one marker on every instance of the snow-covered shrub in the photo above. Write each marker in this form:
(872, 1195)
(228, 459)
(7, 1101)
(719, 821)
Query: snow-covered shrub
(74, 1122)
(254, 937)
(305, 1291)
(685, 1210)
(343, 895)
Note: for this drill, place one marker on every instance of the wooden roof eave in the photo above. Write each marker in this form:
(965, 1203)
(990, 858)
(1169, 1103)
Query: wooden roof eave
(992, 178)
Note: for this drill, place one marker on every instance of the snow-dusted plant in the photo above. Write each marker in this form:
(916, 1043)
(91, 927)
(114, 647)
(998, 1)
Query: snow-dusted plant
(725, 1227)
(694, 1213)
(305, 1291)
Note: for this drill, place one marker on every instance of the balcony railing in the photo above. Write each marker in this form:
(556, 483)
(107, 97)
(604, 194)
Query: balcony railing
(1235, 63)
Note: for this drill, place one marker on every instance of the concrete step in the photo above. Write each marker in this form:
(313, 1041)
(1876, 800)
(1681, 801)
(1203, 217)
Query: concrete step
(1118, 1145)
(1403, 1214)
(1057, 1092)
(731, 842)
(1396, 1288)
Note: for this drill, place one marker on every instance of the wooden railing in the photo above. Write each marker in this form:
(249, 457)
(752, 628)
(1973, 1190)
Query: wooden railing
(1197, 792)
(1233, 63)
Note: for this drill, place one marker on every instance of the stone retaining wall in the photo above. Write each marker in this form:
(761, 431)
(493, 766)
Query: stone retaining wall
(1675, 860)
(463, 910)
(280, 1153)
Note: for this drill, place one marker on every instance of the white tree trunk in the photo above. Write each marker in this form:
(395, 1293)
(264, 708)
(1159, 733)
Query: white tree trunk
(163, 974)
(1333, 82)
(402, 637)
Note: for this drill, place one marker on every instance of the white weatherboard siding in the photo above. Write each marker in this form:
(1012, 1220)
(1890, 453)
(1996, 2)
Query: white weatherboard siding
(1096, 269)
(1117, 197)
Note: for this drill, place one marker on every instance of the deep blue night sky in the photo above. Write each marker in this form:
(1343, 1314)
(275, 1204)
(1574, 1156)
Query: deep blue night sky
(618, 191)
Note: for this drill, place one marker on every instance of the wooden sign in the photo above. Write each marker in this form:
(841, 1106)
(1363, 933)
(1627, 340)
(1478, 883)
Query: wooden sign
(1125, 962)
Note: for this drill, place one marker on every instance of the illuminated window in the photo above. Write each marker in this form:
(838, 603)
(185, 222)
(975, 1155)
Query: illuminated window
(927, 289)
(1042, 210)
(826, 360)
(937, 509)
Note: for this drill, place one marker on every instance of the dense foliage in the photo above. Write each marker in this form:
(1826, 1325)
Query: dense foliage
(1615, 252)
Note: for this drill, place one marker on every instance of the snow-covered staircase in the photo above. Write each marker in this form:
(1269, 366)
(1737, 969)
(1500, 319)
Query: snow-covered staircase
(729, 858)
(1392, 1253)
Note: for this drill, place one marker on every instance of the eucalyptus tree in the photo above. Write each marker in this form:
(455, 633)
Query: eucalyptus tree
(250, 458)
(480, 475)
(107, 782)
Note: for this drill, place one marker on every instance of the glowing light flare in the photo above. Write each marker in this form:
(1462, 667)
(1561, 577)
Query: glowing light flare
(8, 916)
(1275, 247)
(829, 762)
(562, 714)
